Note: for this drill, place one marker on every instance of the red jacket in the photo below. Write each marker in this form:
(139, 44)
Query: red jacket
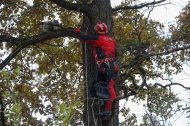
(103, 45)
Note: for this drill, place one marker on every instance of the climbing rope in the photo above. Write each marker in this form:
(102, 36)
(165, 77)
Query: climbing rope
(86, 83)
(99, 110)
(93, 113)
(87, 91)
(86, 78)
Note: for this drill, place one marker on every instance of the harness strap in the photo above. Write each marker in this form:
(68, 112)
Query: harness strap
(105, 60)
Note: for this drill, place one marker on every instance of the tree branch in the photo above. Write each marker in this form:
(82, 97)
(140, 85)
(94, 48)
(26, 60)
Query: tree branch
(137, 6)
(139, 58)
(23, 43)
(79, 7)
(57, 24)
(168, 85)
(10, 39)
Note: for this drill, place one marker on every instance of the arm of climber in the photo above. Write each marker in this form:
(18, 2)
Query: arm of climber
(92, 39)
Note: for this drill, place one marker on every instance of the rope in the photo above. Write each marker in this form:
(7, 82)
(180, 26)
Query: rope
(93, 114)
(86, 77)
(86, 83)
(99, 102)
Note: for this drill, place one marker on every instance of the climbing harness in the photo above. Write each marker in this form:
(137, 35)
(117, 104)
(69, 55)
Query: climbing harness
(105, 61)
(99, 86)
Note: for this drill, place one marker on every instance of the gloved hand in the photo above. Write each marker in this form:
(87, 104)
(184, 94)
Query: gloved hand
(76, 30)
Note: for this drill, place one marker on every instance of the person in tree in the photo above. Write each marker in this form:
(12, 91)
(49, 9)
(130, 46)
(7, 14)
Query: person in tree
(104, 51)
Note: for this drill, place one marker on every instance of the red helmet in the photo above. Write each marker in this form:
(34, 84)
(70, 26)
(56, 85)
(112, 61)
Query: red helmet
(101, 28)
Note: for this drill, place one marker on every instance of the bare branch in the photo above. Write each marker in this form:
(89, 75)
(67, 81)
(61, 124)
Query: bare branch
(169, 85)
(137, 6)
(51, 58)
(79, 7)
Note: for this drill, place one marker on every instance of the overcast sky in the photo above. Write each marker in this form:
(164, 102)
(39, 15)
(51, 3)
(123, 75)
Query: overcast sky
(166, 13)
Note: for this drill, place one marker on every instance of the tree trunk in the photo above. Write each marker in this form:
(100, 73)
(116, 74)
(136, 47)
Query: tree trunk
(2, 112)
(103, 12)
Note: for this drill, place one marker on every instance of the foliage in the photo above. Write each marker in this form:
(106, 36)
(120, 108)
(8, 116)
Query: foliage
(130, 119)
(46, 78)
(161, 103)
(64, 114)
(187, 109)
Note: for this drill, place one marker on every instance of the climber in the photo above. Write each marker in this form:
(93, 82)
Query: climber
(104, 51)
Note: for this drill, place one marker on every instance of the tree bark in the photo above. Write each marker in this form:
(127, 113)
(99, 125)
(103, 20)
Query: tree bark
(2, 111)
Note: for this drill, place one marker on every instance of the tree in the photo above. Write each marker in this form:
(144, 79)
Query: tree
(44, 72)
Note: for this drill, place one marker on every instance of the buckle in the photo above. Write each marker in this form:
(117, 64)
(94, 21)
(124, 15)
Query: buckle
(105, 60)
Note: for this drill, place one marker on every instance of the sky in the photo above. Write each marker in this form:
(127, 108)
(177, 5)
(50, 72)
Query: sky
(165, 14)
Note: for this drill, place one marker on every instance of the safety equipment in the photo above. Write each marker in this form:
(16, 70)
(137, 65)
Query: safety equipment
(102, 90)
(99, 86)
(105, 60)
(101, 28)
(76, 30)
